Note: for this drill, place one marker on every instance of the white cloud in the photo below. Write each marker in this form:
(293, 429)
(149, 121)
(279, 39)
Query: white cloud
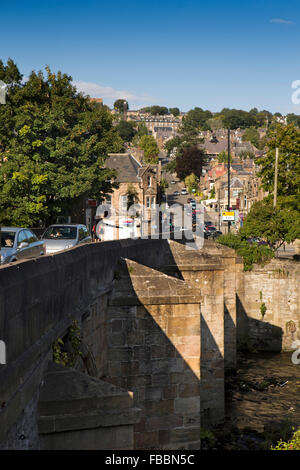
(281, 21)
(94, 90)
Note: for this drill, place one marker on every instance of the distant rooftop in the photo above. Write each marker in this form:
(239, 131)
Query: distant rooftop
(126, 165)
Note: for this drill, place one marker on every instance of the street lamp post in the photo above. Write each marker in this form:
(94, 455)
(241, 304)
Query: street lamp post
(228, 171)
(3, 89)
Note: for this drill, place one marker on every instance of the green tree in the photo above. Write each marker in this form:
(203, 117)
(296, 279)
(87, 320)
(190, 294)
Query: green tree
(274, 225)
(151, 150)
(126, 130)
(293, 119)
(156, 110)
(121, 105)
(191, 160)
(175, 111)
(287, 139)
(163, 185)
(215, 123)
(191, 182)
(237, 118)
(173, 143)
(142, 129)
(223, 157)
(251, 135)
(54, 142)
(252, 253)
(245, 154)
(197, 118)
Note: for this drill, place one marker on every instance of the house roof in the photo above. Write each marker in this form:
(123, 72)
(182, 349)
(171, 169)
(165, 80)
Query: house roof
(126, 165)
(214, 148)
(234, 183)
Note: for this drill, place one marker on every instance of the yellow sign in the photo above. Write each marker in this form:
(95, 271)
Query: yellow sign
(229, 215)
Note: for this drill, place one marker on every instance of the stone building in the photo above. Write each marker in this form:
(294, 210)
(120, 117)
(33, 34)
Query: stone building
(135, 199)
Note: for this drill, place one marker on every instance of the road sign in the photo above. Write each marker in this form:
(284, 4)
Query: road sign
(228, 216)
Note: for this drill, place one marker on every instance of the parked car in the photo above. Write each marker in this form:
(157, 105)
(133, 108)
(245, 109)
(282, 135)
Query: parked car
(19, 243)
(173, 182)
(61, 237)
(176, 193)
(184, 191)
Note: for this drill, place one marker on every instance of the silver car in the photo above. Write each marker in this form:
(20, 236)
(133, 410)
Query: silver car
(19, 243)
(60, 237)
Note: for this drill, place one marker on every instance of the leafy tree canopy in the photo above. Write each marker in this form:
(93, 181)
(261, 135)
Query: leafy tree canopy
(191, 160)
(274, 225)
(251, 135)
(223, 157)
(191, 182)
(156, 110)
(174, 111)
(287, 139)
(237, 118)
(54, 142)
(126, 130)
(293, 119)
(150, 147)
(197, 118)
(171, 144)
(121, 105)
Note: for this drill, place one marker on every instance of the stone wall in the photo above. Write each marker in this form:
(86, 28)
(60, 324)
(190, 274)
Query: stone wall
(158, 321)
(39, 299)
(277, 285)
(154, 351)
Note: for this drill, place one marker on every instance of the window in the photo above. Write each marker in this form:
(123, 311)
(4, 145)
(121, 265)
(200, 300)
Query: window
(21, 237)
(7, 239)
(153, 202)
(108, 200)
(81, 234)
(61, 232)
(124, 203)
(148, 202)
(30, 237)
(149, 180)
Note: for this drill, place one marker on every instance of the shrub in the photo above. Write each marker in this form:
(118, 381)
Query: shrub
(252, 253)
(292, 444)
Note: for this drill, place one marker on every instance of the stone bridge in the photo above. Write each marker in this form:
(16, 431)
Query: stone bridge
(159, 324)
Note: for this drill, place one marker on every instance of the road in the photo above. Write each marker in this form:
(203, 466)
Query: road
(170, 199)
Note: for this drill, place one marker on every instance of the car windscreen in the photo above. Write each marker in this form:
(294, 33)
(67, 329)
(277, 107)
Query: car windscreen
(7, 239)
(60, 233)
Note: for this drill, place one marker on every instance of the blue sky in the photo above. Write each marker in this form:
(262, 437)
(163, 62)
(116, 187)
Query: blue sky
(236, 54)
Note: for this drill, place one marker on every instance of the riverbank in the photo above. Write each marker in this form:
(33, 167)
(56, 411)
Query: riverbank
(262, 404)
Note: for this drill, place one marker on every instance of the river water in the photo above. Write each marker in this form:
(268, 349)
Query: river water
(262, 402)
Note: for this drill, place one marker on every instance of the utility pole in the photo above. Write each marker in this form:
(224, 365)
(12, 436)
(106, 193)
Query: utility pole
(3, 89)
(125, 107)
(228, 171)
(276, 176)
(219, 208)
